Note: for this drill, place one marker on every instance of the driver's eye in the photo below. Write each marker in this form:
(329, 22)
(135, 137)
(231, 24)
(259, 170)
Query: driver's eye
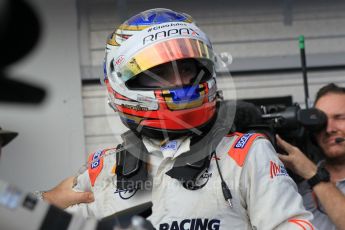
(169, 75)
(187, 70)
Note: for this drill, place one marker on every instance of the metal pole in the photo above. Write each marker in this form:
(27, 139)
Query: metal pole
(304, 70)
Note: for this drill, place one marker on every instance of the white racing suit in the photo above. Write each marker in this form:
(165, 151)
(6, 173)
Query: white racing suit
(264, 196)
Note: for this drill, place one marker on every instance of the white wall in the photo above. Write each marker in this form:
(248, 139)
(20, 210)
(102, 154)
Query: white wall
(50, 145)
(253, 32)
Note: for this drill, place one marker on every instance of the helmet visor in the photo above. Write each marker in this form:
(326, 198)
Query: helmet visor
(183, 72)
(164, 52)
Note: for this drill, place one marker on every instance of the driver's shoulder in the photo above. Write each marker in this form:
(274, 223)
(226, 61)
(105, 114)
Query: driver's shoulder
(101, 164)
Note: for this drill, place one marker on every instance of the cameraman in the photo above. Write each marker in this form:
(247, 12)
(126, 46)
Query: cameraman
(324, 186)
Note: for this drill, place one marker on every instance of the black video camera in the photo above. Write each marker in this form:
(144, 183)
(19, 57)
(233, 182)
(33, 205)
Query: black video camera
(293, 124)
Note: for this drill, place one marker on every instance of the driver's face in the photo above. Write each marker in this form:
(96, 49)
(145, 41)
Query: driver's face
(172, 74)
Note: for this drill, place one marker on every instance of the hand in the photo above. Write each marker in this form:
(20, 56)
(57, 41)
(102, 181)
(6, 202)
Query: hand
(296, 160)
(64, 196)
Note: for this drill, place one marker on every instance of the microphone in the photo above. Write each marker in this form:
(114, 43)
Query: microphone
(339, 140)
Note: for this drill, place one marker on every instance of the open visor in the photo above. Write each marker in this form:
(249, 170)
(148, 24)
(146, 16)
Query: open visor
(167, 51)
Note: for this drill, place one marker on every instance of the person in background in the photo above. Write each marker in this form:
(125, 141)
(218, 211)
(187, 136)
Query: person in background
(324, 186)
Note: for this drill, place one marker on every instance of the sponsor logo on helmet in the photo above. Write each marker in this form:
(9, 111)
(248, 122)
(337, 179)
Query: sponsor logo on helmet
(192, 224)
(277, 170)
(132, 105)
(126, 194)
(119, 60)
(135, 107)
(166, 25)
(243, 141)
(168, 33)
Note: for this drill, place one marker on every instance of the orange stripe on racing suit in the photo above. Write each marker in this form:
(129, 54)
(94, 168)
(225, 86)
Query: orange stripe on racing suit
(95, 165)
(241, 146)
(304, 224)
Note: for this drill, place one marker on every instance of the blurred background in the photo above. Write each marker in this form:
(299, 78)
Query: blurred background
(73, 119)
